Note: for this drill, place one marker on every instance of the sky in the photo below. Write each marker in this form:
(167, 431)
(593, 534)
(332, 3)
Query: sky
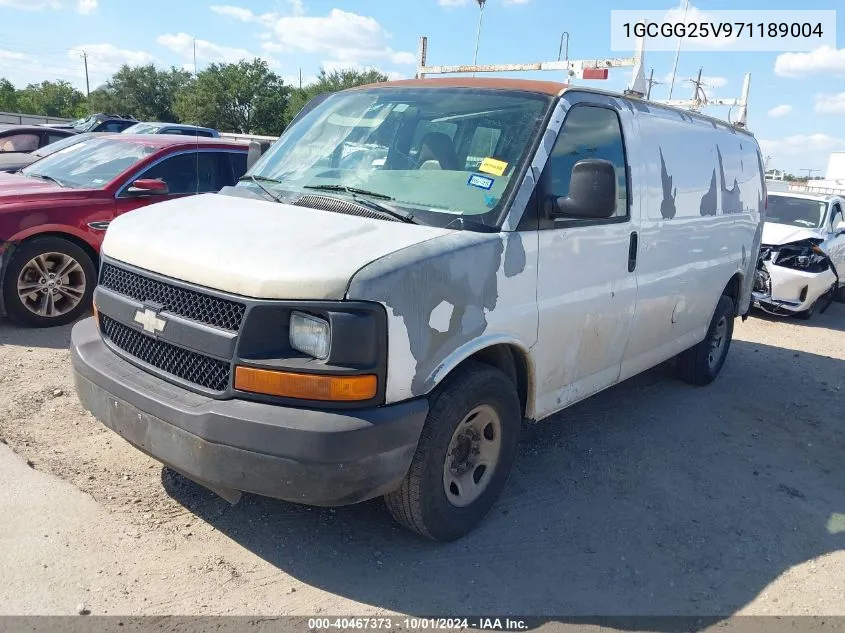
(797, 100)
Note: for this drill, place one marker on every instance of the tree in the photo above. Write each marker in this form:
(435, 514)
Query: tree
(331, 82)
(51, 98)
(246, 97)
(8, 96)
(145, 92)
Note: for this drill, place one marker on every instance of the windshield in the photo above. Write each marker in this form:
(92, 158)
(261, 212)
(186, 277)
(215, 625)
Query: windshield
(56, 146)
(91, 164)
(796, 211)
(441, 151)
(85, 125)
(142, 128)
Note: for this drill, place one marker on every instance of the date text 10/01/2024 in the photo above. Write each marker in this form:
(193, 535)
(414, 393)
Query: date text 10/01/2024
(416, 624)
(723, 29)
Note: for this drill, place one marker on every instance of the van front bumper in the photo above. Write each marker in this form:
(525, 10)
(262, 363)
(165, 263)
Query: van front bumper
(323, 458)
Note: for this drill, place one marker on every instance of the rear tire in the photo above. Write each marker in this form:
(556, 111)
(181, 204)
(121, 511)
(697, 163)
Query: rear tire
(701, 364)
(458, 470)
(48, 282)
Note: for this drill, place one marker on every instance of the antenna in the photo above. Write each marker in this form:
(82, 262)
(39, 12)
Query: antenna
(481, 4)
(87, 84)
(677, 52)
(651, 82)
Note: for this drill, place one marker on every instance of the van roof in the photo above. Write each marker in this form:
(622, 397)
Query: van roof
(819, 197)
(553, 88)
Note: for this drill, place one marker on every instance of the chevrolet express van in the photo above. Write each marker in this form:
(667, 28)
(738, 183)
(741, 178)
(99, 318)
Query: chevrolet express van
(408, 273)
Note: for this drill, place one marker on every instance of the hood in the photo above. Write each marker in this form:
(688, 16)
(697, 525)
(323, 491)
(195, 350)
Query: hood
(779, 234)
(256, 248)
(15, 188)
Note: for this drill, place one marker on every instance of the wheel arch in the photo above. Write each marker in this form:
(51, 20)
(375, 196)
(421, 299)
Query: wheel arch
(733, 289)
(507, 354)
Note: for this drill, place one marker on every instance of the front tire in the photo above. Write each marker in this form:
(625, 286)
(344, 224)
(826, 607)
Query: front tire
(701, 364)
(464, 455)
(48, 282)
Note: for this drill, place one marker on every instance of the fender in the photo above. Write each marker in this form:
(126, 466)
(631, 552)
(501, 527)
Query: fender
(465, 351)
(38, 229)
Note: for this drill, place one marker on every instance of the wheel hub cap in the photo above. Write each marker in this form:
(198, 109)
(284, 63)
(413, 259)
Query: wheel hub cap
(51, 284)
(472, 456)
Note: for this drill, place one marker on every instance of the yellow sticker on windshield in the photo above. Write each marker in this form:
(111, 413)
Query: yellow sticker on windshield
(493, 166)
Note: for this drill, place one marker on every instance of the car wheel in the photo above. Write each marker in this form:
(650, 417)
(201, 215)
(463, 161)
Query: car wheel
(48, 282)
(701, 364)
(465, 453)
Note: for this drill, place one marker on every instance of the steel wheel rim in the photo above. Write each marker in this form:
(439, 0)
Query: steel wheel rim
(717, 342)
(51, 284)
(472, 456)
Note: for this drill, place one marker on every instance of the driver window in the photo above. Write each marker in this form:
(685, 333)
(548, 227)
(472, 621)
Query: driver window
(588, 132)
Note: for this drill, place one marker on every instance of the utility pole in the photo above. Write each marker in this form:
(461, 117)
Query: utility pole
(481, 4)
(810, 172)
(87, 84)
(300, 78)
(195, 58)
(678, 52)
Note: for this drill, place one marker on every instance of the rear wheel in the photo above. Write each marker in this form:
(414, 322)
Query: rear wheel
(701, 364)
(48, 282)
(464, 455)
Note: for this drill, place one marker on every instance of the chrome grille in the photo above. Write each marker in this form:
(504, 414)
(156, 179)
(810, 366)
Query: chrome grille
(189, 304)
(201, 370)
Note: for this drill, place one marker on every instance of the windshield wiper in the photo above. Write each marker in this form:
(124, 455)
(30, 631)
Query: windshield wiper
(356, 194)
(46, 177)
(257, 180)
(363, 192)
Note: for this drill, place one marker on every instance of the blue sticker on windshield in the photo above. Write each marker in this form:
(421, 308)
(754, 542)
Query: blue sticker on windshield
(482, 182)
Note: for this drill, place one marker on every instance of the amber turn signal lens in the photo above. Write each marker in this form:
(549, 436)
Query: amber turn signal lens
(306, 386)
(96, 314)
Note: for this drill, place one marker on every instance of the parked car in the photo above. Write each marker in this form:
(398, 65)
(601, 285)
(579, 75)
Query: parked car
(326, 335)
(172, 128)
(97, 123)
(15, 162)
(16, 140)
(802, 261)
(54, 213)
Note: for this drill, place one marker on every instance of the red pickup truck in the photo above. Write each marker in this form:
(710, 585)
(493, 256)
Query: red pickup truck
(54, 212)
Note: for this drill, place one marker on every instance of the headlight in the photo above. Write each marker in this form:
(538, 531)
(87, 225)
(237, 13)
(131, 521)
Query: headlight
(310, 335)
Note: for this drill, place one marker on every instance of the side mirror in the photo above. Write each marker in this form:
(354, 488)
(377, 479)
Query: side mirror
(256, 150)
(592, 192)
(148, 187)
(839, 227)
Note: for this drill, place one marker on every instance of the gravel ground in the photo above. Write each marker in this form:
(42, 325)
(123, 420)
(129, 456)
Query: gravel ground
(651, 498)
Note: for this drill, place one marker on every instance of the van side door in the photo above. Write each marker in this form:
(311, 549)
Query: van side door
(586, 280)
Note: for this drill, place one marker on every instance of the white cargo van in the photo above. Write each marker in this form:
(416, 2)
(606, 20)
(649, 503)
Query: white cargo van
(408, 273)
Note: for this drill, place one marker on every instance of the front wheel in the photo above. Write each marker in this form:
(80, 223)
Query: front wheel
(48, 282)
(464, 455)
(699, 365)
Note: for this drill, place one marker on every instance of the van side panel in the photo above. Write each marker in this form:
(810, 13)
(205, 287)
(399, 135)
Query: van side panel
(449, 297)
(704, 197)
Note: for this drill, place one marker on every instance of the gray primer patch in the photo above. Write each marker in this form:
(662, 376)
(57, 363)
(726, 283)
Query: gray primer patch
(731, 198)
(710, 199)
(461, 269)
(514, 254)
(667, 205)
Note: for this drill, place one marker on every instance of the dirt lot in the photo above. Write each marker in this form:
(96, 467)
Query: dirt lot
(652, 498)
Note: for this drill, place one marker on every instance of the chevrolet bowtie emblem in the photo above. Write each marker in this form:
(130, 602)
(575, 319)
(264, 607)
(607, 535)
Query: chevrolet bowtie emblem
(150, 321)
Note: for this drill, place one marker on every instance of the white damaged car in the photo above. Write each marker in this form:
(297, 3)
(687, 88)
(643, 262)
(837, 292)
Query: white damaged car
(801, 268)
